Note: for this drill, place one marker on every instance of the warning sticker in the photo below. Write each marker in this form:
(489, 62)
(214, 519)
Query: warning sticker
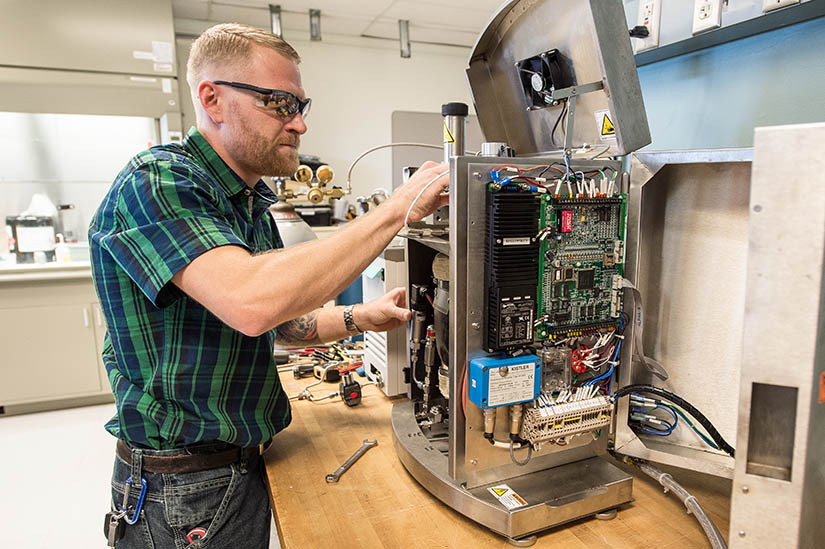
(511, 384)
(567, 221)
(605, 126)
(448, 136)
(507, 497)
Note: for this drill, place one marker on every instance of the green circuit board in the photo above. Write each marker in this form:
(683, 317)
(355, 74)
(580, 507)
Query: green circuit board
(580, 264)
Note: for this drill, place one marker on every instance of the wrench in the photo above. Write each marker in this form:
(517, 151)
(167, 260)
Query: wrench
(366, 445)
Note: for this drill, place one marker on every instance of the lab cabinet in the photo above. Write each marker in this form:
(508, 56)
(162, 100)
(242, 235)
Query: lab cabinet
(116, 36)
(52, 331)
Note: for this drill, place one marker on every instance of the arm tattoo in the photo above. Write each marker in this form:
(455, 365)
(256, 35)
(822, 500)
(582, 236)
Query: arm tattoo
(299, 332)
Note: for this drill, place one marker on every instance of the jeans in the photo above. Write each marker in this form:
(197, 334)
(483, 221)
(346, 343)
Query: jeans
(231, 504)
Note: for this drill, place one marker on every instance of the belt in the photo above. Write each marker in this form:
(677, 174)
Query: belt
(194, 462)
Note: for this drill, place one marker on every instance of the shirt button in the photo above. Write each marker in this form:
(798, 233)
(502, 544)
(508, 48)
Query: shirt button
(247, 192)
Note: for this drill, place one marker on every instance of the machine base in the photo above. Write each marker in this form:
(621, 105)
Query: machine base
(554, 496)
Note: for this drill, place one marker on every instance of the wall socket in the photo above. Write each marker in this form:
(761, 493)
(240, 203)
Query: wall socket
(769, 5)
(650, 16)
(707, 15)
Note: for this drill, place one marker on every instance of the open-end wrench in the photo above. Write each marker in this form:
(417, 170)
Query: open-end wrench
(366, 445)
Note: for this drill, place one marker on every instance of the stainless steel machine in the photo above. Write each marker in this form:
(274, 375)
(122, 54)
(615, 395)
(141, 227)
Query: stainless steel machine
(566, 273)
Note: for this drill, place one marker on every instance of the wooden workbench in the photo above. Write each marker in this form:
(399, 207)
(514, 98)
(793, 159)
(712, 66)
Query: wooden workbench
(378, 504)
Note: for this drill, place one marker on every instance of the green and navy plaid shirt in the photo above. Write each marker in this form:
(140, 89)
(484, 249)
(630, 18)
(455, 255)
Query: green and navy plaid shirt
(180, 375)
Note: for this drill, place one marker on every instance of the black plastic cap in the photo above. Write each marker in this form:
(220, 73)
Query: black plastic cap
(454, 109)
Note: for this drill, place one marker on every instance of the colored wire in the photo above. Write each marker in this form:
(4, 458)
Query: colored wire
(692, 426)
(685, 405)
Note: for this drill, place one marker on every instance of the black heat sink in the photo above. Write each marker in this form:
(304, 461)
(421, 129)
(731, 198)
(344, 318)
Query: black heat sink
(511, 265)
(512, 218)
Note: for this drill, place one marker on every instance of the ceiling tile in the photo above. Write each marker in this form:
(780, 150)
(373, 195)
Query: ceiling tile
(432, 16)
(456, 37)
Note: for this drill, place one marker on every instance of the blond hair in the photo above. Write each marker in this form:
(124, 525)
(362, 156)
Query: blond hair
(230, 43)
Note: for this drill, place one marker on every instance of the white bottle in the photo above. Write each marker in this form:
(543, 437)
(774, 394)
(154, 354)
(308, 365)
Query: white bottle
(62, 252)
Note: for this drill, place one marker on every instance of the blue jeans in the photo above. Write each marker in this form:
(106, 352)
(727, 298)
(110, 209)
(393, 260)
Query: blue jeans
(230, 503)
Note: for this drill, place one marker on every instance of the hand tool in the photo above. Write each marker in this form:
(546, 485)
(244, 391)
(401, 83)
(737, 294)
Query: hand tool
(366, 445)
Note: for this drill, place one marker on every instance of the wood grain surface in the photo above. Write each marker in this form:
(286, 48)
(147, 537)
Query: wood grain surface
(378, 504)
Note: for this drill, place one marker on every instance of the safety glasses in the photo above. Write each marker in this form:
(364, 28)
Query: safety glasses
(281, 103)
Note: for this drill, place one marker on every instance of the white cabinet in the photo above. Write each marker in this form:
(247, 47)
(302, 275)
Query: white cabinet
(51, 336)
(49, 353)
(115, 36)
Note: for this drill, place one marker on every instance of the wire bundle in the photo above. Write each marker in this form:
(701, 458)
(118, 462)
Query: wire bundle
(674, 403)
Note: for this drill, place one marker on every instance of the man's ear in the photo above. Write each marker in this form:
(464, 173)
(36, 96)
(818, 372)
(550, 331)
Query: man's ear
(211, 101)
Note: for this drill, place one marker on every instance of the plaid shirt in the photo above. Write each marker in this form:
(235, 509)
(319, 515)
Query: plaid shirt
(178, 373)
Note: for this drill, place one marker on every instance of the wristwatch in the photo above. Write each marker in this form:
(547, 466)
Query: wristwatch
(349, 322)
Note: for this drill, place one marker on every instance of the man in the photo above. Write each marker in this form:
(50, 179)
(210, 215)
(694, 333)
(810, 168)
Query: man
(195, 298)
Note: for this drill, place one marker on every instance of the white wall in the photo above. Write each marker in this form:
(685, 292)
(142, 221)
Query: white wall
(355, 85)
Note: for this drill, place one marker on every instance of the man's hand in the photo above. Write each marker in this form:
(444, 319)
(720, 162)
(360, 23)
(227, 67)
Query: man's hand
(430, 200)
(384, 314)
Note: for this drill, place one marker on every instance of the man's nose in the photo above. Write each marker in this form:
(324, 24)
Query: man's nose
(296, 125)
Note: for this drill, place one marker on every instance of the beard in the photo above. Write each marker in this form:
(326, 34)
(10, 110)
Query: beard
(261, 155)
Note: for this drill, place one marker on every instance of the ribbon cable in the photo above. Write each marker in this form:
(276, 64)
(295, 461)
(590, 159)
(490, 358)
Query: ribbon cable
(638, 350)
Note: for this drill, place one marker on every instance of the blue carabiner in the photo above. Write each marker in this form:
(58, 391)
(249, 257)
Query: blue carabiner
(135, 517)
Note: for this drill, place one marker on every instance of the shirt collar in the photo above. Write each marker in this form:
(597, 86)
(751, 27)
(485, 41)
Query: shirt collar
(228, 180)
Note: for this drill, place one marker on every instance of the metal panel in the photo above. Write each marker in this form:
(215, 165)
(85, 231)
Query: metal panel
(86, 35)
(593, 37)
(687, 253)
(70, 92)
(783, 340)
(471, 456)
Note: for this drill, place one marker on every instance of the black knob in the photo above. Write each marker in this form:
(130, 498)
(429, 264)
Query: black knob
(454, 109)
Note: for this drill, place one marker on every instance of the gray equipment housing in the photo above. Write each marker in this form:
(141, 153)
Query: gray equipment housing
(698, 254)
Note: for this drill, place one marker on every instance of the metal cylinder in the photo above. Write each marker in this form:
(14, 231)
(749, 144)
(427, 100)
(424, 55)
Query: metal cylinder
(429, 348)
(516, 411)
(455, 119)
(496, 148)
(419, 327)
(489, 421)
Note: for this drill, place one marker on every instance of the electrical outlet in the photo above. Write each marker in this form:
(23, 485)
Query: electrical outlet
(707, 15)
(650, 16)
(770, 5)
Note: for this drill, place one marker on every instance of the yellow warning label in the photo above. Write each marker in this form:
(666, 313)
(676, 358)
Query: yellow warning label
(500, 491)
(448, 136)
(607, 126)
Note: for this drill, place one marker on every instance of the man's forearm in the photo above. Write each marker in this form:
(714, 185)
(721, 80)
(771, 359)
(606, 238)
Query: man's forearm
(319, 326)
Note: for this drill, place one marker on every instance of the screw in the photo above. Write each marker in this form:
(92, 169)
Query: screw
(477, 175)
(745, 489)
(741, 533)
(476, 326)
(474, 462)
(757, 208)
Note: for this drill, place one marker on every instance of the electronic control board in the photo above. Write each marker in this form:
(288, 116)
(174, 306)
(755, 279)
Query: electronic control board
(581, 257)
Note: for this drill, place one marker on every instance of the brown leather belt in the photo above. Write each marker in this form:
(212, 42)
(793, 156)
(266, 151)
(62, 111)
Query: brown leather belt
(190, 463)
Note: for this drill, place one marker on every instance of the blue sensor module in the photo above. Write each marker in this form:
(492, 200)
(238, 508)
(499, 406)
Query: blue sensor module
(497, 382)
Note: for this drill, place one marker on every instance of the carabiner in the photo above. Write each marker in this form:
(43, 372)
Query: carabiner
(135, 517)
